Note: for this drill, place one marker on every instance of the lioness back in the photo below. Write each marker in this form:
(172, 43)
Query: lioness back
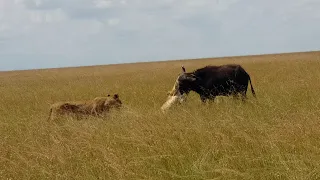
(90, 107)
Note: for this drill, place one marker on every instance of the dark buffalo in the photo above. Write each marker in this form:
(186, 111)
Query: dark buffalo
(209, 82)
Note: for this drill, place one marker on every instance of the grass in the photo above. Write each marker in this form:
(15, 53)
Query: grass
(276, 136)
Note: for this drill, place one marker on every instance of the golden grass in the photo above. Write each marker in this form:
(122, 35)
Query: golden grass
(276, 136)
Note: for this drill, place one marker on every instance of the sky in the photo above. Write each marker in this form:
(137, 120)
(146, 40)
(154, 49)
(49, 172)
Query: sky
(60, 33)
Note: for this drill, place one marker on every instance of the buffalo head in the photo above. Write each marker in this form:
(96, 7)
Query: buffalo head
(183, 85)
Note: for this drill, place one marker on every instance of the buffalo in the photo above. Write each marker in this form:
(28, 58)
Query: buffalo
(209, 82)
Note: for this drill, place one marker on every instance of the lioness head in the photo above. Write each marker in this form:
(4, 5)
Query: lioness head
(113, 102)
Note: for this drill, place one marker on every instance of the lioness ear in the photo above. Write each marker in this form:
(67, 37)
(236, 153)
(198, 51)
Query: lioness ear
(115, 96)
(108, 95)
(183, 69)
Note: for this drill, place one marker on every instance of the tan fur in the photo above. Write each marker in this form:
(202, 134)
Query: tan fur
(173, 96)
(174, 90)
(94, 107)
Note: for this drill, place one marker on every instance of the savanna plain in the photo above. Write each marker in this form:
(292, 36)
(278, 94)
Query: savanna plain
(276, 136)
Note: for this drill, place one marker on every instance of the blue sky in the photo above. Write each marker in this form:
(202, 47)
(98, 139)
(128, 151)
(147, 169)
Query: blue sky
(58, 33)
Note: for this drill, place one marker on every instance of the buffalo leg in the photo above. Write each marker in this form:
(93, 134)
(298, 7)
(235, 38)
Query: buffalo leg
(203, 98)
(212, 98)
(235, 96)
(243, 96)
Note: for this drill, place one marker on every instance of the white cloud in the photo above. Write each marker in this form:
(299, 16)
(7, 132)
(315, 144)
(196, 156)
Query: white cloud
(109, 31)
(103, 3)
(113, 21)
(50, 16)
(38, 2)
(4, 28)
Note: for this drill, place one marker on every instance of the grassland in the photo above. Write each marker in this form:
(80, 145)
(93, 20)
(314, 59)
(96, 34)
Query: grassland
(276, 136)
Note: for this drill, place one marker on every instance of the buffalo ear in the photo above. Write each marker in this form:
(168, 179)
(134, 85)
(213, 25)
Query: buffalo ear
(183, 69)
(192, 77)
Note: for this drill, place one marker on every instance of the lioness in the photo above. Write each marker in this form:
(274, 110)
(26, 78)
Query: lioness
(93, 107)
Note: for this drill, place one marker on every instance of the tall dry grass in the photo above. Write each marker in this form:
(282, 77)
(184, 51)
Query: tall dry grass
(276, 136)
